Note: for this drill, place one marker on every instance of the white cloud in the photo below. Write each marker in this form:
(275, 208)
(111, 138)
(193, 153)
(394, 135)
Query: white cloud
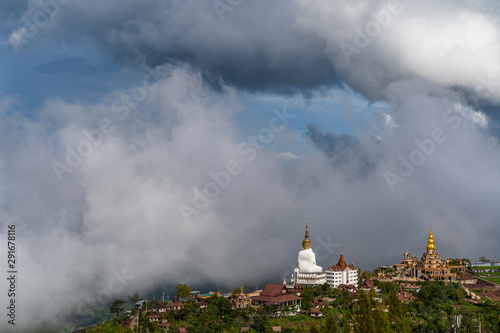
(287, 156)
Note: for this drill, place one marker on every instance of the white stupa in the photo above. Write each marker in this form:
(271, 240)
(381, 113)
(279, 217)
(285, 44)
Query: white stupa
(308, 273)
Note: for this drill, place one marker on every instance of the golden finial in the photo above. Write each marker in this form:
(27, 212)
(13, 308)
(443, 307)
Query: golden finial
(430, 242)
(306, 243)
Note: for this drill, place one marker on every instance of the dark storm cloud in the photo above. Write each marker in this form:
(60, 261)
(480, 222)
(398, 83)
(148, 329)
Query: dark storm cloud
(291, 46)
(344, 151)
(259, 46)
(271, 55)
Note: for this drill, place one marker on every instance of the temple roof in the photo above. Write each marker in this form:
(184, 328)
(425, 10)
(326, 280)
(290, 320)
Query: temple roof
(159, 305)
(341, 262)
(341, 265)
(175, 302)
(165, 323)
(275, 293)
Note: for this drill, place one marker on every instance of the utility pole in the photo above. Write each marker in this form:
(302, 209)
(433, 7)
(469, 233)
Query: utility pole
(163, 297)
(457, 321)
(479, 327)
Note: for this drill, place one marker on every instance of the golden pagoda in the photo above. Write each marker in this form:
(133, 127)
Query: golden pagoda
(429, 267)
(306, 243)
(430, 242)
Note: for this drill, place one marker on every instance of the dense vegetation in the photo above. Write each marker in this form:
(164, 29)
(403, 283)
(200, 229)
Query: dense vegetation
(432, 310)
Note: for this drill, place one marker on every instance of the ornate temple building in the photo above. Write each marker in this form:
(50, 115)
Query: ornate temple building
(342, 273)
(429, 267)
(278, 294)
(308, 273)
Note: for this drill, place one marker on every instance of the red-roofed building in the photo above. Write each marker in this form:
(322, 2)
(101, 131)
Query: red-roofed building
(342, 273)
(153, 317)
(348, 287)
(276, 328)
(296, 290)
(368, 284)
(202, 304)
(279, 295)
(318, 303)
(405, 296)
(182, 330)
(165, 323)
(175, 305)
(316, 312)
(159, 307)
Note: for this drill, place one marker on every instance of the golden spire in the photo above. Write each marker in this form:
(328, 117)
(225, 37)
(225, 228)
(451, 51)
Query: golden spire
(306, 243)
(430, 242)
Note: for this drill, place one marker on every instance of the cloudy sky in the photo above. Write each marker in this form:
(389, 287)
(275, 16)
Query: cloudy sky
(146, 143)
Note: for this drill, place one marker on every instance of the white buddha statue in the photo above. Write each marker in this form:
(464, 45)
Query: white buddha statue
(307, 258)
(308, 273)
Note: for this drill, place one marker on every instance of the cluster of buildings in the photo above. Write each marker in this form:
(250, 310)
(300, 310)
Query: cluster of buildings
(286, 297)
(490, 266)
(309, 274)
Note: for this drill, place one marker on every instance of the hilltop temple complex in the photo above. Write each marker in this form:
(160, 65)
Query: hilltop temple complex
(429, 267)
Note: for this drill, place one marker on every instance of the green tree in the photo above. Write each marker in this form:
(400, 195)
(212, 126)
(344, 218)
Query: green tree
(366, 275)
(307, 293)
(364, 320)
(135, 298)
(313, 328)
(108, 327)
(382, 324)
(221, 305)
(305, 305)
(271, 310)
(324, 288)
(344, 300)
(230, 330)
(182, 290)
(237, 291)
(261, 323)
(205, 321)
(398, 314)
(369, 315)
(330, 323)
(117, 307)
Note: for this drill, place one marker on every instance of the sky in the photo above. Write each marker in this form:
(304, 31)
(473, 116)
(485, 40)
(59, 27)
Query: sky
(146, 143)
